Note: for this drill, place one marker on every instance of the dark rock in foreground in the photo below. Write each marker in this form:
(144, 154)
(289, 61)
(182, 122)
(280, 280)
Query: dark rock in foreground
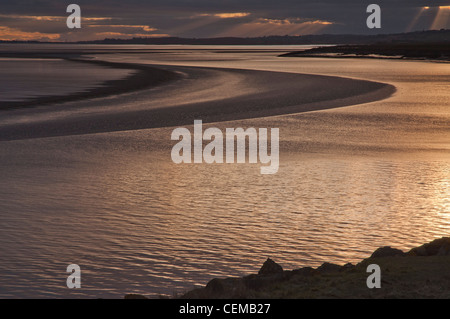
(270, 267)
(387, 252)
(439, 247)
(403, 275)
(329, 268)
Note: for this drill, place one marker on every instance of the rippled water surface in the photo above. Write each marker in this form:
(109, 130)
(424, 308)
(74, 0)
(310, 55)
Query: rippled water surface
(350, 180)
(21, 79)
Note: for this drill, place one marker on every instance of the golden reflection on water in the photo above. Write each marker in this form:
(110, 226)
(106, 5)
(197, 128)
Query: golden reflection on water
(341, 207)
(350, 180)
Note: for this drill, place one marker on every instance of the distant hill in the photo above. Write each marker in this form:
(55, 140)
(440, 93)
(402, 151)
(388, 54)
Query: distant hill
(412, 37)
(442, 36)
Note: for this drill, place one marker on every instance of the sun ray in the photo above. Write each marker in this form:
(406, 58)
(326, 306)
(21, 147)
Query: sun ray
(416, 18)
(442, 18)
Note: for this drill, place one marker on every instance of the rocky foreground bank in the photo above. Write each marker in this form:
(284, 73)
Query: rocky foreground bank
(423, 272)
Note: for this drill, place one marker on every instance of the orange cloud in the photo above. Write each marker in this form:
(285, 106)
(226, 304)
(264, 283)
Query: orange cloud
(7, 34)
(37, 18)
(265, 26)
(124, 31)
(50, 18)
(295, 21)
(134, 35)
(143, 27)
(225, 15)
(232, 15)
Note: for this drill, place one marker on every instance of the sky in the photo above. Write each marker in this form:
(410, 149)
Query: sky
(45, 20)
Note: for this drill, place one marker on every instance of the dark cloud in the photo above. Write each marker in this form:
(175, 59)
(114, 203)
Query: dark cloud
(207, 18)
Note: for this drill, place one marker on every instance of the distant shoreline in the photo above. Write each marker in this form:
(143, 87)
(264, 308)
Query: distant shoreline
(437, 52)
(428, 36)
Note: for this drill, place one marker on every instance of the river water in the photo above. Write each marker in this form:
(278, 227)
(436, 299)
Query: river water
(22, 79)
(351, 179)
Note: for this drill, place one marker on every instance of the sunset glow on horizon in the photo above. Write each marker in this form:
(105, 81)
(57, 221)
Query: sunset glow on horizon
(196, 19)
